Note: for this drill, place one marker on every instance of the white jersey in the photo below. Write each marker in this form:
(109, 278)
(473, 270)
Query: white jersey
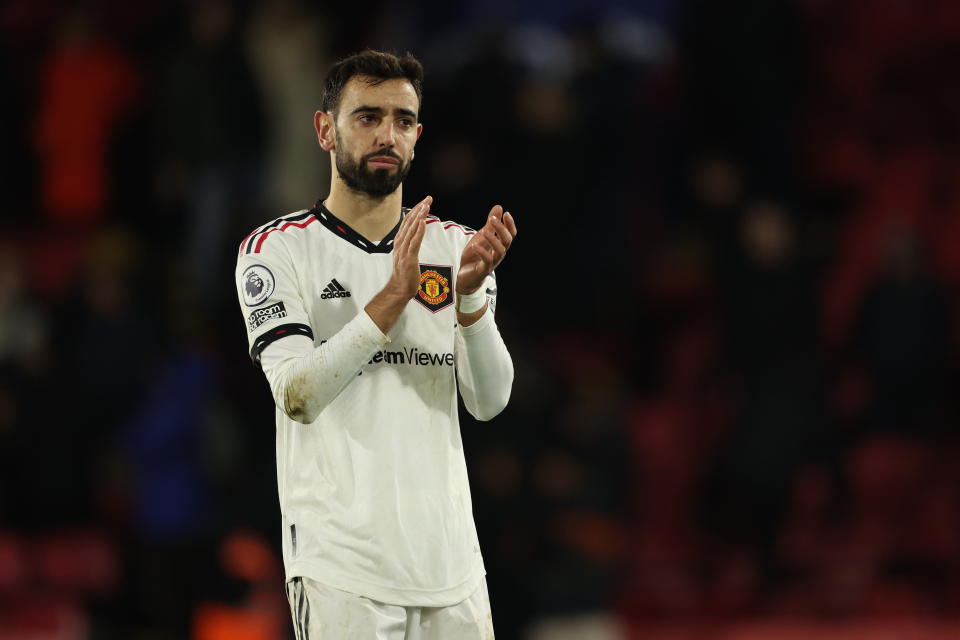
(373, 493)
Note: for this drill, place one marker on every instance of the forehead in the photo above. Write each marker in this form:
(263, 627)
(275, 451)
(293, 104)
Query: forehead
(396, 93)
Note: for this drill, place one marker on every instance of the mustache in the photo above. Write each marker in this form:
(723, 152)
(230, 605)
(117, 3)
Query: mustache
(385, 153)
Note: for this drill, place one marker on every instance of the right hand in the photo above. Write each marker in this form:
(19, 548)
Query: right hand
(405, 279)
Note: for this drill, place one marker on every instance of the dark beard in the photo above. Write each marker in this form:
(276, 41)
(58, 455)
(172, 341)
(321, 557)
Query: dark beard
(377, 183)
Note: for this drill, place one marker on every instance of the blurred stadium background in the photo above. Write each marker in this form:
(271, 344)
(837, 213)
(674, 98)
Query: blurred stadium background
(732, 308)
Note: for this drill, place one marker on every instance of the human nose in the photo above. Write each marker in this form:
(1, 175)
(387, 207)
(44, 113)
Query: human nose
(385, 133)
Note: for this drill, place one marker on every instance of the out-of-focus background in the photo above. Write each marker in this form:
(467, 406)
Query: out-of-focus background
(732, 308)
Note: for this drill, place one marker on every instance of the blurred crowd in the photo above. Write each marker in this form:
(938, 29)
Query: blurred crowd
(732, 306)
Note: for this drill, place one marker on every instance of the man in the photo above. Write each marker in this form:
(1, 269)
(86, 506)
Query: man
(365, 318)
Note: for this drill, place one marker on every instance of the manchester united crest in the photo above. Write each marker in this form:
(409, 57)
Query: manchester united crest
(434, 292)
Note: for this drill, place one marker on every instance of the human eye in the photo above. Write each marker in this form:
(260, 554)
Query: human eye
(405, 123)
(367, 118)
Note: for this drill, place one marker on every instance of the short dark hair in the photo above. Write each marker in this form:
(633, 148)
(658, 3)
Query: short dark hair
(377, 65)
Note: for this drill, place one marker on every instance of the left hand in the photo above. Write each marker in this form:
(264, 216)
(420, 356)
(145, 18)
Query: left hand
(485, 250)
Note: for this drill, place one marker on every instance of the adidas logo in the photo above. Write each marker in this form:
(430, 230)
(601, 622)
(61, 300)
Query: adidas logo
(334, 290)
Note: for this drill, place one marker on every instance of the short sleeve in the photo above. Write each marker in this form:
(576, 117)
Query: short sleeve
(270, 300)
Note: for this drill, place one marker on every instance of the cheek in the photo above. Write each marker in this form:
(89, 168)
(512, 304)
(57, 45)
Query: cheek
(356, 136)
(350, 149)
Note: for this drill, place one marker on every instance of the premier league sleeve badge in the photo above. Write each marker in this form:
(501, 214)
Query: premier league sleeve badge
(258, 285)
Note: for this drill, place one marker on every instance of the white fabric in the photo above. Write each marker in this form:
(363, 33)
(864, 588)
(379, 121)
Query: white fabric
(482, 364)
(373, 489)
(471, 302)
(317, 375)
(320, 612)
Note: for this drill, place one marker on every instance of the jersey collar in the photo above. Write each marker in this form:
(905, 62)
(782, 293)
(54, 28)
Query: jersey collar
(345, 231)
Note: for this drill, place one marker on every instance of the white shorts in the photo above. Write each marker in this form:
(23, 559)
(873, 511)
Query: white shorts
(324, 613)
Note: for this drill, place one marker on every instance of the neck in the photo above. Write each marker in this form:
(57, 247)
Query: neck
(371, 217)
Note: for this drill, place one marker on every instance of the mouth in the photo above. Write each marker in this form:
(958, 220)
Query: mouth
(383, 162)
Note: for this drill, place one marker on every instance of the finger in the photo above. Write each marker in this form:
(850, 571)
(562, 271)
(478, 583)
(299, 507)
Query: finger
(427, 200)
(489, 254)
(510, 224)
(417, 236)
(496, 221)
(424, 205)
(418, 226)
(404, 229)
(420, 206)
(412, 212)
(502, 233)
(412, 250)
(481, 244)
(495, 241)
(419, 211)
(399, 242)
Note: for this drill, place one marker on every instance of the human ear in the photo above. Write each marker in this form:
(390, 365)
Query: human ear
(419, 131)
(323, 123)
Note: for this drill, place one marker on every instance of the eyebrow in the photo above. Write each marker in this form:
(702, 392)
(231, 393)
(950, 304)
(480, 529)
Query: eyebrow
(364, 108)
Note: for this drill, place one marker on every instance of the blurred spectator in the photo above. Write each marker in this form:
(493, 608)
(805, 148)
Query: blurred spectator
(24, 369)
(288, 45)
(245, 600)
(771, 312)
(166, 466)
(210, 127)
(87, 86)
(542, 134)
(99, 345)
(163, 440)
(23, 324)
(579, 487)
(904, 339)
(103, 335)
(715, 194)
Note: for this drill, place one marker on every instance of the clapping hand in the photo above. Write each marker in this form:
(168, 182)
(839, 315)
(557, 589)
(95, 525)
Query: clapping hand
(485, 250)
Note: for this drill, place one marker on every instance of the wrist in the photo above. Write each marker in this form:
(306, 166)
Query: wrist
(471, 302)
(398, 292)
(394, 299)
(468, 291)
(386, 307)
